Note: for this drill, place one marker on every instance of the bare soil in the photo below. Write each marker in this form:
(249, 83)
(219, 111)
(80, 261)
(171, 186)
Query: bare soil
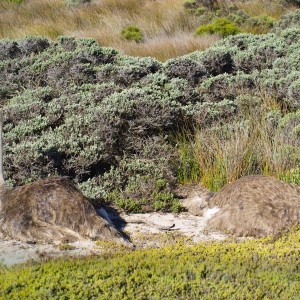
(144, 230)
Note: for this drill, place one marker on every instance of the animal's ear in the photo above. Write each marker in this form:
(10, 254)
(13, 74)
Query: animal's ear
(1, 148)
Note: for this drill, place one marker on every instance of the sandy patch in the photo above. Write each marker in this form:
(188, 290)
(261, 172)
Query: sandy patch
(184, 223)
(145, 230)
(17, 252)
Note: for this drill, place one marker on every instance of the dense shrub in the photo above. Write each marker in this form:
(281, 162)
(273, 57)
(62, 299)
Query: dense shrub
(288, 21)
(195, 4)
(133, 69)
(185, 68)
(221, 26)
(212, 15)
(77, 109)
(132, 33)
(218, 60)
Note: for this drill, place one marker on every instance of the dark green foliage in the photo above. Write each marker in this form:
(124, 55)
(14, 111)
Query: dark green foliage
(132, 33)
(77, 2)
(221, 26)
(77, 109)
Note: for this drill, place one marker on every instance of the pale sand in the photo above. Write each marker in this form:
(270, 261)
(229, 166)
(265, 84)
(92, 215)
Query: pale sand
(137, 225)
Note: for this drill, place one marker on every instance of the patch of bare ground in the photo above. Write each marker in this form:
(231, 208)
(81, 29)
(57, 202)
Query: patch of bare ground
(151, 230)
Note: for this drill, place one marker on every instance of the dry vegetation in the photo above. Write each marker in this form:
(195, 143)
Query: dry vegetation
(263, 7)
(167, 27)
(249, 145)
(122, 112)
(242, 94)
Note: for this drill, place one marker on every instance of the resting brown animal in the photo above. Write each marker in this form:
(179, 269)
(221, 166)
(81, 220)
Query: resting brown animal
(256, 206)
(51, 209)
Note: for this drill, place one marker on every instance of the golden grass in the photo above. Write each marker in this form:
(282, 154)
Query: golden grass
(222, 154)
(167, 28)
(274, 9)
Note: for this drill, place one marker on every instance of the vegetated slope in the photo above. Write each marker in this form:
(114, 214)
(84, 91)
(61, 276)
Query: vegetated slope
(253, 269)
(167, 27)
(75, 108)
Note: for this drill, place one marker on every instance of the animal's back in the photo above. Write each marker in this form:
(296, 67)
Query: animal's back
(256, 205)
(51, 209)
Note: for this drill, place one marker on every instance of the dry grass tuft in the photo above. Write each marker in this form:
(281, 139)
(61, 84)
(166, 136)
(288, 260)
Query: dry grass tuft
(274, 9)
(249, 145)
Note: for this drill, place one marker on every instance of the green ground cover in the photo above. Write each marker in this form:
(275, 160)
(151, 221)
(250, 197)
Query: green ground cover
(254, 269)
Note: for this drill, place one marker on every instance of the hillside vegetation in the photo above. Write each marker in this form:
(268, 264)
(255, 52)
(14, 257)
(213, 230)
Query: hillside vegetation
(167, 26)
(254, 269)
(127, 129)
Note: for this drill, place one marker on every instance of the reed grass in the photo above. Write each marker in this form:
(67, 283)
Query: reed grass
(249, 144)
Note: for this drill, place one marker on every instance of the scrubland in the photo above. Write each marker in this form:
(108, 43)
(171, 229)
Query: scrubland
(168, 27)
(129, 129)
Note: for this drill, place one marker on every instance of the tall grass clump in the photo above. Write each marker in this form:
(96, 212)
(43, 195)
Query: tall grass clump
(253, 143)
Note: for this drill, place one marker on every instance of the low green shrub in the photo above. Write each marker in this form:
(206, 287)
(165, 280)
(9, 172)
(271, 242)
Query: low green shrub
(132, 33)
(221, 26)
(251, 269)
